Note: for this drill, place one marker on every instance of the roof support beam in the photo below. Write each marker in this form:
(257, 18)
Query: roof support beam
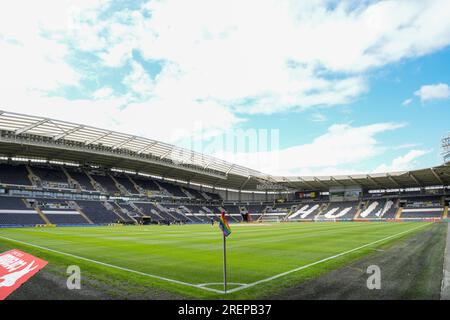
(437, 176)
(31, 126)
(321, 182)
(391, 178)
(123, 142)
(166, 154)
(208, 164)
(66, 133)
(229, 169)
(245, 182)
(415, 179)
(338, 182)
(147, 147)
(354, 181)
(88, 142)
(307, 183)
(289, 183)
(375, 182)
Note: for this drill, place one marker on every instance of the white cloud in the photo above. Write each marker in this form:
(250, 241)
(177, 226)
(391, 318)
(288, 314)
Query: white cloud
(407, 102)
(433, 92)
(318, 117)
(103, 93)
(266, 56)
(341, 145)
(406, 162)
(231, 56)
(139, 81)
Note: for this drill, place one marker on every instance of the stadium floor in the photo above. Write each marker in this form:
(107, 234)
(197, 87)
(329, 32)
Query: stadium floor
(166, 262)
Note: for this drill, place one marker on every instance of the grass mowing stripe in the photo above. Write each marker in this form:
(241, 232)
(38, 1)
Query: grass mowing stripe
(156, 253)
(113, 266)
(322, 260)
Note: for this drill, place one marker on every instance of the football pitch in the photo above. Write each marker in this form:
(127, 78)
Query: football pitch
(187, 260)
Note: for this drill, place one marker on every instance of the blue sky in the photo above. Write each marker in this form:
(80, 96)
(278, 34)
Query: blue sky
(342, 86)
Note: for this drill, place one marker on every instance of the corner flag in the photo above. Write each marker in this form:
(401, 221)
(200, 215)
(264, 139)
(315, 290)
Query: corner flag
(226, 230)
(224, 226)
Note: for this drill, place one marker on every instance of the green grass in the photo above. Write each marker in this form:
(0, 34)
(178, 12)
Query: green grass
(193, 253)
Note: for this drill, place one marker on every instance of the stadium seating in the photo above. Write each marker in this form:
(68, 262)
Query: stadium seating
(55, 175)
(422, 208)
(195, 193)
(127, 184)
(377, 209)
(146, 184)
(340, 210)
(14, 212)
(97, 212)
(82, 179)
(59, 212)
(151, 210)
(305, 211)
(172, 189)
(107, 183)
(14, 174)
(188, 204)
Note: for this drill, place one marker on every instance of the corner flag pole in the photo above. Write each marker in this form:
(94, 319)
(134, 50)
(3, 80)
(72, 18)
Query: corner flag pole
(224, 263)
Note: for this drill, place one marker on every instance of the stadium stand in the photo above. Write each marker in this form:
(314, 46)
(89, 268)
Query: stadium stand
(127, 184)
(165, 202)
(174, 190)
(97, 212)
(14, 212)
(51, 175)
(82, 179)
(106, 182)
(146, 184)
(14, 174)
(305, 211)
(340, 210)
(422, 207)
(376, 209)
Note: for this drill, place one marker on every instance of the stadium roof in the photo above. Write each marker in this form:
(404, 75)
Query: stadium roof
(44, 138)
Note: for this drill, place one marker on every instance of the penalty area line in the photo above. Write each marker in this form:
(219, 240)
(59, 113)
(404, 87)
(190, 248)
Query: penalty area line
(321, 261)
(114, 266)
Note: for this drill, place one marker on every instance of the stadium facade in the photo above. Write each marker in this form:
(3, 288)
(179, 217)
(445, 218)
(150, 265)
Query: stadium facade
(60, 173)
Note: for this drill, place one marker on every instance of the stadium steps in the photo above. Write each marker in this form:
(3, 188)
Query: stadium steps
(75, 205)
(110, 207)
(161, 188)
(358, 212)
(187, 193)
(121, 188)
(164, 209)
(35, 180)
(135, 207)
(264, 211)
(136, 186)
(205, 195)
(97, 186)
(293, 209)
(41, 214)
(184, 211)
(323, 208)
(399, 213)
(125, 212)
(72, 182)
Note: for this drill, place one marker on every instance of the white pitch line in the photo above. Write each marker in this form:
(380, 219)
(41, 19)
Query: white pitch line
(320, 261)
(201, 286)
(445, 285)
(115, 267)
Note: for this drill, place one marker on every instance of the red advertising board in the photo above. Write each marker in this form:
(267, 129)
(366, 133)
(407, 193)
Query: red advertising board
(16, 267)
